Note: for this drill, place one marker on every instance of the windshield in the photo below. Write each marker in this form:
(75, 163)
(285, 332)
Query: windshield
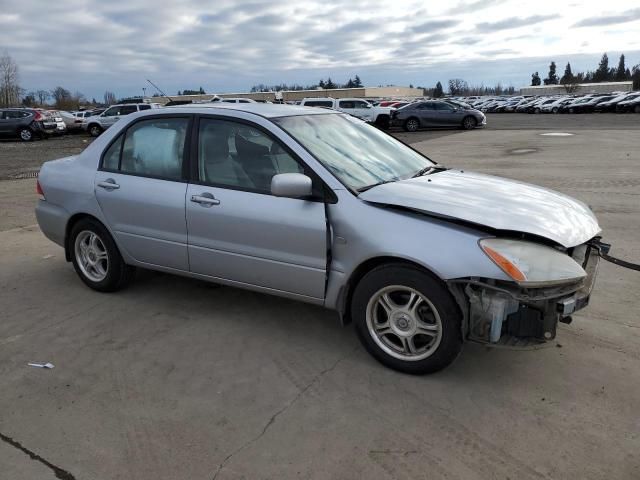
(357, 153)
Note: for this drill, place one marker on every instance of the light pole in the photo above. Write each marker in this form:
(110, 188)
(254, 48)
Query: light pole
(144, 93)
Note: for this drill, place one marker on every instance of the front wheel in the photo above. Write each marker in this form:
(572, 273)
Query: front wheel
(26, 135)
(96, 258)
(469, 123)
(407, 319)
(412, 125)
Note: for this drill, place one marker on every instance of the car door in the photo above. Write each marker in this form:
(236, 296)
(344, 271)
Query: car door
(241, 233)
(140, 187)
(4, 122)
(426, 112)
(447, 115)
(363, 110)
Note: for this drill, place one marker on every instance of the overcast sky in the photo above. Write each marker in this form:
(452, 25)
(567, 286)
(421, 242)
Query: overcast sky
(228, 46)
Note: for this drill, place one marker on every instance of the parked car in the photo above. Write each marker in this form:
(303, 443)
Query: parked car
(589, 105)
(97, 124)
(610, 105)
(554, 107)
(357, 107)
(24, 123)
(236, 100)
(72, 122)
(629, 104)
(436, 113)
(296, 201)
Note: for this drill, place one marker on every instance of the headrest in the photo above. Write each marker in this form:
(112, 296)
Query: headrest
(214, 144)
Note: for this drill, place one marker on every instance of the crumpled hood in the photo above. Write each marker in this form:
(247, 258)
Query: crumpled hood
(494, 202)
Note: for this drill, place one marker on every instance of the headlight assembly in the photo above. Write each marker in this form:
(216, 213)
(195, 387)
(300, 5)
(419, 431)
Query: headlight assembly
(531, 264)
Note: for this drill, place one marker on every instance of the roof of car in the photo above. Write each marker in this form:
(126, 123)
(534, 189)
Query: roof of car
(269, 110)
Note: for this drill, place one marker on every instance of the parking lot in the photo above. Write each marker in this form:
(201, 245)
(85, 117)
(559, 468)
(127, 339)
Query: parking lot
(175, 378)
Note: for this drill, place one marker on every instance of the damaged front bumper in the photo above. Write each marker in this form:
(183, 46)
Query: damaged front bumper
(504, 314)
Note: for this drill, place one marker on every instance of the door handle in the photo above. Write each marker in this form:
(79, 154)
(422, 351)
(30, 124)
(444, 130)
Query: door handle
(206, 200)
(109, 184)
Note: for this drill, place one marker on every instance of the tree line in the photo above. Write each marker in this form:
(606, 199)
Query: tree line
(603, 73)
(327, 84)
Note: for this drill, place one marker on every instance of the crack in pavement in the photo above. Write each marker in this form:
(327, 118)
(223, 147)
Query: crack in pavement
(278, 413)
(59, 472)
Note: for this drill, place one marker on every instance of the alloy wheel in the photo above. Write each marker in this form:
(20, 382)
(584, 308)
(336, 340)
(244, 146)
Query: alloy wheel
(404, 323)
(26, 135)
(91, 255)
(469, 123)
(412, 125)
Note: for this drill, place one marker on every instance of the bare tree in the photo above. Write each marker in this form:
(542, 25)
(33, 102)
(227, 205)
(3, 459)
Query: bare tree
(43, 96)
(9, 88)
(109, 98)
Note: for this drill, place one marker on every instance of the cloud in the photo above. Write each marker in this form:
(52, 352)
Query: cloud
(513, 22)
(624, 17)
(230, 45)
(434, 25)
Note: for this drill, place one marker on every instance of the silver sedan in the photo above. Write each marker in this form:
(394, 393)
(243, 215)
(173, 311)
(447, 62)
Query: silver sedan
(315, 205)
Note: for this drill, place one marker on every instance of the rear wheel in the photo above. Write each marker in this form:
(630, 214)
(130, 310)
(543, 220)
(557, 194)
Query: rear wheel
(25, 134)
(96, 258)
(95, 129)
(407, 319)
(469, 123)
(411, 124)
(555, 110)
(636, 109)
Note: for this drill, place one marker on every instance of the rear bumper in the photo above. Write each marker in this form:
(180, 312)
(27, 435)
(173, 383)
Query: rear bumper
(52, 220)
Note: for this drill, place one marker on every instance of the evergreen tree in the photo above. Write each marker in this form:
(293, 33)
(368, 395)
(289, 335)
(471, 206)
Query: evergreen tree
(621, 71)
(438, 92)
(330, 85)
(357, 83)
(552, 78)
(321, 84)
(535, 79)
(202, 91)
(568, 75)
(602, 73)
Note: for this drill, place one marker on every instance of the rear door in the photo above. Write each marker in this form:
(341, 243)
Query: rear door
(4, 122)
(141, 189)
(426, 111)
(238, 231)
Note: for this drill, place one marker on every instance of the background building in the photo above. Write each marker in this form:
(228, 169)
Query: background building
(296, 95)
(578, 88)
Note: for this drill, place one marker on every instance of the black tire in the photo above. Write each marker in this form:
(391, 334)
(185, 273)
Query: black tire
(25, 134)
(469, 122)
(636, 109)
(118, 273)
(537, 110)
(554, 110)
(409, 277)
(411, 124)
(94, 130)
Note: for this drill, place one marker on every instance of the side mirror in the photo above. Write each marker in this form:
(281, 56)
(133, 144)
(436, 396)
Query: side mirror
(369, 105)
(292, 185)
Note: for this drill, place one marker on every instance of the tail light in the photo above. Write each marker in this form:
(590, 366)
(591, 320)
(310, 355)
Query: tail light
(39, 190)
(39, 117)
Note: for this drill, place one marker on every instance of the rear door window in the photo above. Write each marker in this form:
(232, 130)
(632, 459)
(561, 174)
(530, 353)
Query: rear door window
(150, 148)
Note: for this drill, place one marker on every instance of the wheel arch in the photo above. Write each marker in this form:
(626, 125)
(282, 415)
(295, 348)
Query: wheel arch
(346, 294)
(75, 218)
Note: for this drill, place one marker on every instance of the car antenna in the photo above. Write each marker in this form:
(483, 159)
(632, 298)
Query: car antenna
(158, 89)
